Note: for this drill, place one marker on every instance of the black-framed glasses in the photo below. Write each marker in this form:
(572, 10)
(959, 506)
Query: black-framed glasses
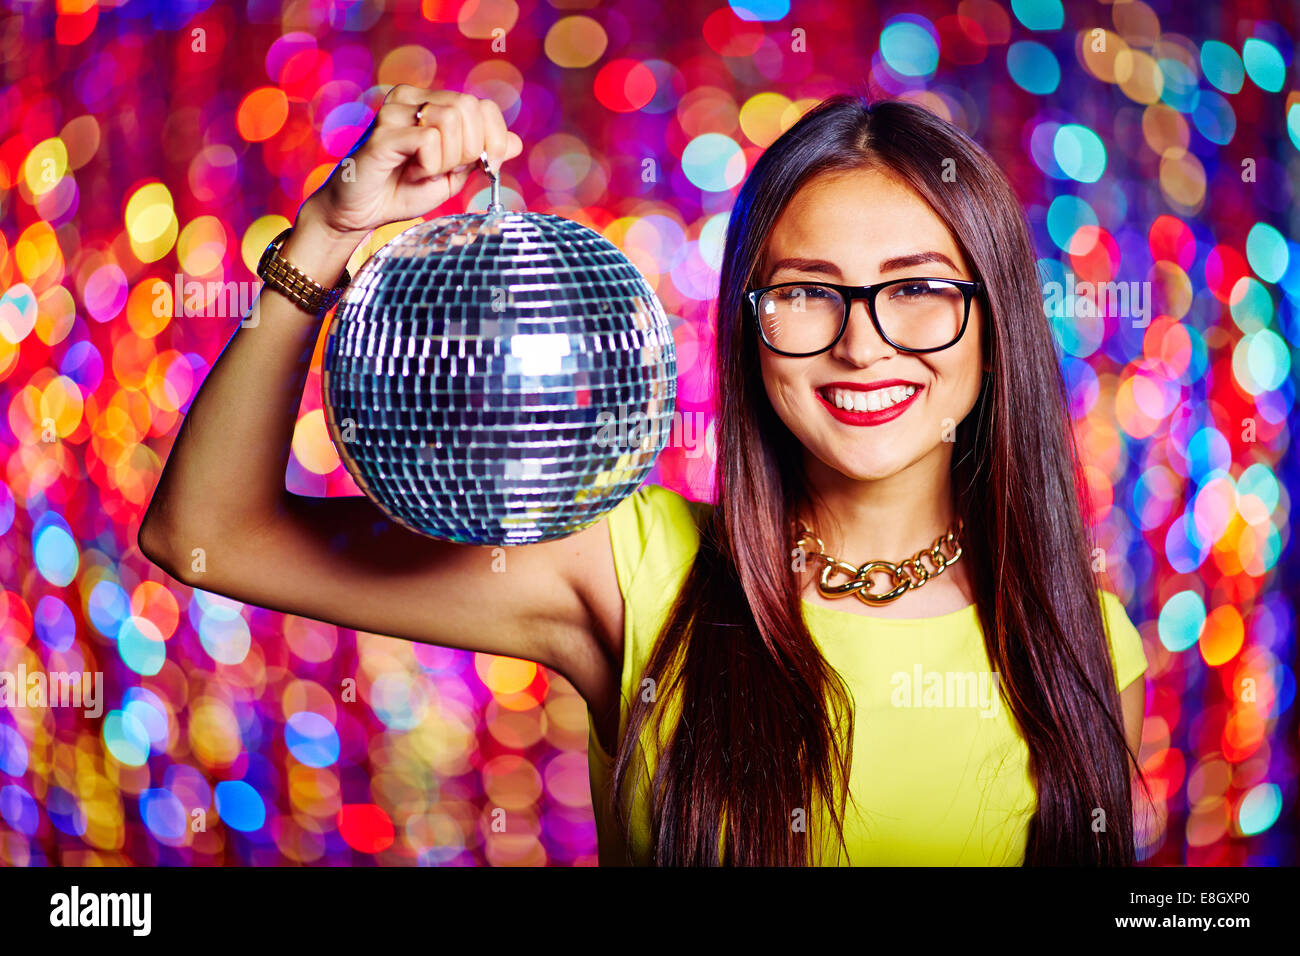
(916, 314)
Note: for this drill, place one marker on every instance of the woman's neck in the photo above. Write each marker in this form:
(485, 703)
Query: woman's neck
(883, 519)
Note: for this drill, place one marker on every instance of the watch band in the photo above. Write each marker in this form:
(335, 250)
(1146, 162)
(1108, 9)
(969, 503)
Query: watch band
(304, 291)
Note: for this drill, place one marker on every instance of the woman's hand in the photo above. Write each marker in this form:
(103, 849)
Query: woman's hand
(398, 171)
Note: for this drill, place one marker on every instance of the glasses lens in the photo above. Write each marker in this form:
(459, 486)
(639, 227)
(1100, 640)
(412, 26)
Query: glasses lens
(921, 313)
(800, 318)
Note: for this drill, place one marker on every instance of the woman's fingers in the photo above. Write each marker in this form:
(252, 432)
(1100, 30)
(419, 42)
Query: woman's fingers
(409, 95)
(471, 129)
(469, 125)
(496, 138)
(421, 147)
(432, 160)
(437, 108)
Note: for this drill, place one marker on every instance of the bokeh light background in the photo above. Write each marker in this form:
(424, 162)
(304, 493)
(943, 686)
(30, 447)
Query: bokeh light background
(1151, 142)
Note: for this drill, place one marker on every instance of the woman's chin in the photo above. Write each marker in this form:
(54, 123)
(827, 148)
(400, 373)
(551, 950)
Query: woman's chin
(869, 457)
(869, 468)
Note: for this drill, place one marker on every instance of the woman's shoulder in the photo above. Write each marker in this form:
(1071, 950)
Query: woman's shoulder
(654, 530)
(1126, 652)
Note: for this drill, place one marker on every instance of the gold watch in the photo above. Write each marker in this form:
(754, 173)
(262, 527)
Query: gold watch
(304, 291)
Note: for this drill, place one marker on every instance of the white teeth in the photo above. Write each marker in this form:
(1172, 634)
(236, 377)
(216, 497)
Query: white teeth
(872, 401)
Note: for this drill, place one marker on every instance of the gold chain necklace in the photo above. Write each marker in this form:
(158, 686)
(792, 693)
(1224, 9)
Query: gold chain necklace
(907, 575)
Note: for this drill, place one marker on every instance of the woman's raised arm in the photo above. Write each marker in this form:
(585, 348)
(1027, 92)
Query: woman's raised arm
(222, 520)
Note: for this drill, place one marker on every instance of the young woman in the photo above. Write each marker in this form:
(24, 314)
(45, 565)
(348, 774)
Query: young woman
(887, 390)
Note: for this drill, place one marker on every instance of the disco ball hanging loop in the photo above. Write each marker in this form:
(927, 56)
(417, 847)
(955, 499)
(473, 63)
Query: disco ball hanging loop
(499, 378)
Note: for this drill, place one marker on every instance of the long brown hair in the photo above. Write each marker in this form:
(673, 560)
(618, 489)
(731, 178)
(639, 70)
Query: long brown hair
(766, 724)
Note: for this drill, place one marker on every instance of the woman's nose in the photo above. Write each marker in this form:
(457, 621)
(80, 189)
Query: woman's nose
(861, 343)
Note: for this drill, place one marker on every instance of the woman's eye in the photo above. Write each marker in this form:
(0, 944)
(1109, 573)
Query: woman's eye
(801, 297)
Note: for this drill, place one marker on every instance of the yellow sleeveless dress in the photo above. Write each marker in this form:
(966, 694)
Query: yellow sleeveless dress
(940, 772)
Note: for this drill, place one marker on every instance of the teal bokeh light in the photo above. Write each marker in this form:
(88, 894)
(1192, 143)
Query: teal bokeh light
(1266, 252)
(1039, 14)
(1079, 152)
(1033, 67)
(1222, 66)
(1181, 621)
(909, 48)
(1263, 64)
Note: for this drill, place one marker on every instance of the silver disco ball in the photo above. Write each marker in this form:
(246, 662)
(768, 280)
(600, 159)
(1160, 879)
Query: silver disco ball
(499, 378)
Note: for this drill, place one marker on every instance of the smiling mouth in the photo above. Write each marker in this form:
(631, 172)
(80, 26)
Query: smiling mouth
(874, 400)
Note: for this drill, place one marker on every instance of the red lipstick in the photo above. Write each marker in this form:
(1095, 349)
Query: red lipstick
(878, 417)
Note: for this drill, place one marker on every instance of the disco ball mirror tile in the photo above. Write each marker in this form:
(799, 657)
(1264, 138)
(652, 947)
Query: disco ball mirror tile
(499, 378)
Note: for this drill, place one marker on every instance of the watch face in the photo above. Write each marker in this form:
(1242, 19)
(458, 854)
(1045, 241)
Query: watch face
(266, 255)
(271, 248)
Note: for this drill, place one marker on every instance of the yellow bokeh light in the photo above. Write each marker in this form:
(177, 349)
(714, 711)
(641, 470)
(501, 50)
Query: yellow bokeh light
(1143, 81)
(1182, 178)
(315, 179)
(148, 212)
(150, 306)
(151, 222)
(126, 418)
(1223, 635)
(61, 405)
(258, 237)
(56, 314)
(488, 20)
(38, 256)
(794, 112)
(201, 248)
(46, 165)
(1171, 289)
(575, 42)
(1131, 416)
(762, 116)
(512, 782)
(8, 358)
(504, 675)
(155, 250)
(411, 64)
(312, 445)
(1099, 52)
(169, 380)
(214, 732)
(1165, 128)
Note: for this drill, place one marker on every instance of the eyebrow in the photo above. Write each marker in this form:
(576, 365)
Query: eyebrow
(892, 264)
